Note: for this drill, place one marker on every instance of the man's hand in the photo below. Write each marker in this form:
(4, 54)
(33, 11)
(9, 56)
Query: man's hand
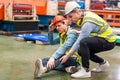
(64, 58)
(51, 27)
(51, 63)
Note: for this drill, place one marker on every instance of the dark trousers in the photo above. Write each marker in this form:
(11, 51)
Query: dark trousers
(90, 46)
(58, 66)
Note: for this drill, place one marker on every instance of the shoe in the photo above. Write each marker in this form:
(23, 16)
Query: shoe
(101, 67)
(81, 74)
(38, 68)
(71, 69)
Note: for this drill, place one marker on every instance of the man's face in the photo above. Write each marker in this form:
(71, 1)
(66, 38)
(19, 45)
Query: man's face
(74, 16)
(61, 27)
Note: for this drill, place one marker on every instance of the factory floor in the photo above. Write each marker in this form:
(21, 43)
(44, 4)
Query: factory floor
(17, 61)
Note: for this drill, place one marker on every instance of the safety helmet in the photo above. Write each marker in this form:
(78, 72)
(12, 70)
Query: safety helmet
(57, 19)
(71, 6)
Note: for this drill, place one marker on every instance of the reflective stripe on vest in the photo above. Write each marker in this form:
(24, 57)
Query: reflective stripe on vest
(98, 22)
(105, 30)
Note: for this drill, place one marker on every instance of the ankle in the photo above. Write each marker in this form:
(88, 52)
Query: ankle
(86, 69)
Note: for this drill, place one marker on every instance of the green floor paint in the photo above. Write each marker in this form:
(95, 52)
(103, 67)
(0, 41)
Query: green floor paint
(17, 61)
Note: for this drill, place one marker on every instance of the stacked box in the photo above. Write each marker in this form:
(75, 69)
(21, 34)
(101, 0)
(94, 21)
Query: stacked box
(52, 8)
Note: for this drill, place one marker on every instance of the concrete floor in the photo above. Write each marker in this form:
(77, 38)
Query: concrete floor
(17, 61)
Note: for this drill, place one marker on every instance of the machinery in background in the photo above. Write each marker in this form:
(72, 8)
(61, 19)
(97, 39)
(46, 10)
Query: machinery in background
(19, 18)
(20, 14)
(97, 5)
(111, 16)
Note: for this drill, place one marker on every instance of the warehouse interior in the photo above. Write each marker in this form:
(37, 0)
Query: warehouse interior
(23, 37)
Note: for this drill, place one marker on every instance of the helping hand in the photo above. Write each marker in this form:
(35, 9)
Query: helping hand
(63, 59)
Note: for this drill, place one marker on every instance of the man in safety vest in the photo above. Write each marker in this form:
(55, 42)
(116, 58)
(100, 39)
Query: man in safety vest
(96, 35)
(66, 39)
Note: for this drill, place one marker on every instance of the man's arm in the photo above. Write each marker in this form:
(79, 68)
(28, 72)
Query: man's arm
(53, 40)
(67, 45)
(87, 28)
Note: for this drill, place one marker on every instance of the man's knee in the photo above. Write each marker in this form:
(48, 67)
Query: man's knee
(83, 41)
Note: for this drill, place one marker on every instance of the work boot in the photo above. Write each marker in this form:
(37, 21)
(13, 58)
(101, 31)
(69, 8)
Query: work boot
(38, 68)
(82, 73)
(71, 69)
(101, 67)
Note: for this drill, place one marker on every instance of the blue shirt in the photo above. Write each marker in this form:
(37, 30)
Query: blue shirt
(86, 29)
(71, 38)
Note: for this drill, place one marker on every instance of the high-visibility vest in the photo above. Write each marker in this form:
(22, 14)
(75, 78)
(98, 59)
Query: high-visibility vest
(63, 37)
(105, 30)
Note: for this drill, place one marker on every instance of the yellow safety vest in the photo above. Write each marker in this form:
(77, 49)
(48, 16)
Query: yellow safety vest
(63, 37)
(105, 30)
